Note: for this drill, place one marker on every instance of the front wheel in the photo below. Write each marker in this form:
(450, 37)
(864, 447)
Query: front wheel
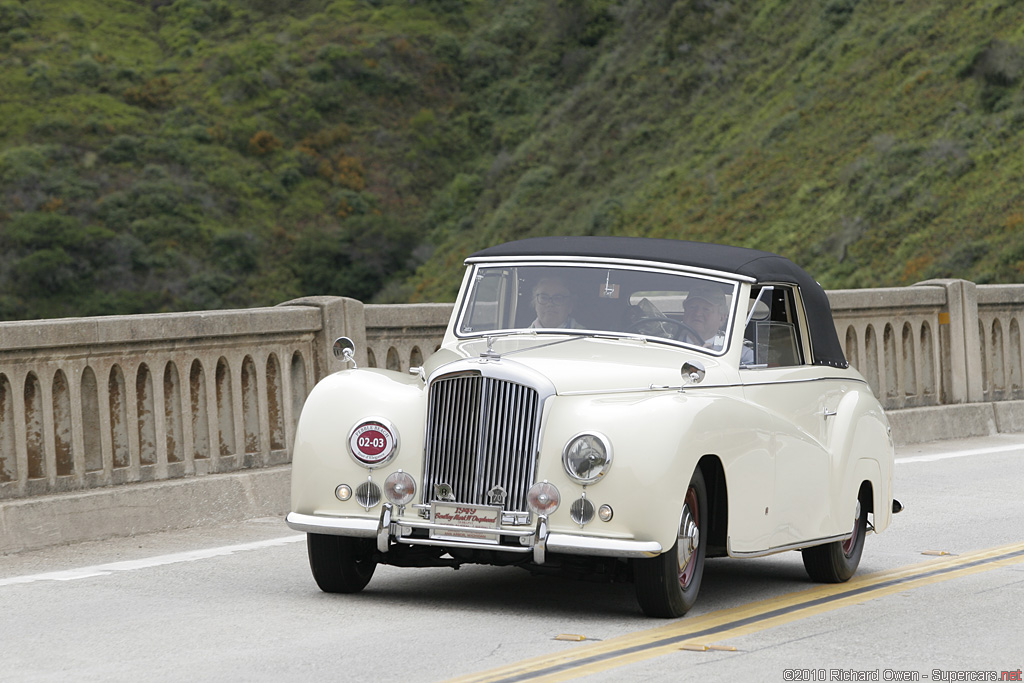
(340, 564)
(667, 585)
(836, 562)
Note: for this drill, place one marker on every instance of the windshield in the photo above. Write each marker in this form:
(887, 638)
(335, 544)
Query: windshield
(666, 305)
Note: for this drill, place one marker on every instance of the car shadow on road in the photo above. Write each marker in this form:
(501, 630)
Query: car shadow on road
(510, 591)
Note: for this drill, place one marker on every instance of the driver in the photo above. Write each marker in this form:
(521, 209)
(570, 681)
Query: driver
(553, 302)
(705, 310)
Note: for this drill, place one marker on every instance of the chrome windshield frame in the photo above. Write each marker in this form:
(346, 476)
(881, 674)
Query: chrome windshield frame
(476, 265)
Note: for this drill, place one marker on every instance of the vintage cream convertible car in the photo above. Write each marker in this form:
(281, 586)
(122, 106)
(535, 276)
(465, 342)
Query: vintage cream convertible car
(618, 408)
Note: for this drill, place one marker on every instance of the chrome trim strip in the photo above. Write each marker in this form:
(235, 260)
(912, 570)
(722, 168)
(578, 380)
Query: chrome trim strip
(799, 381)
(690, 387)
(784, 548)
(651, 387)
(334, 526)
(576, 335)
(606, 547)
(638, 264)
(469, 545)
(433, 526)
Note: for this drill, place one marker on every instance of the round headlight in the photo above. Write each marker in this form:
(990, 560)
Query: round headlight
(400, 488)
(543, 498)
(587, 457)
(373, 442)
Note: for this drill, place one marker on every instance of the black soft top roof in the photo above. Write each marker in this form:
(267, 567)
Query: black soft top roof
(762, 266)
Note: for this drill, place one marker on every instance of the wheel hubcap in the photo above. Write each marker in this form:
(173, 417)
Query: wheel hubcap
(689, 538)
(850, 543)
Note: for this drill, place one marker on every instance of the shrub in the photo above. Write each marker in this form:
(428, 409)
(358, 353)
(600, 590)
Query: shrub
(263, 143)
(122, 149)
(86, 71)
(153, 94)
(23, 164)
(47, 270)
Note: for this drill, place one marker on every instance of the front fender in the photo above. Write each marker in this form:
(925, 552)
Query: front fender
(657, 440)
(321, 460)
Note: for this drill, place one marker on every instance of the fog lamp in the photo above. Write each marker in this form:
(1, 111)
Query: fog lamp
(543, 498)
(400, 488)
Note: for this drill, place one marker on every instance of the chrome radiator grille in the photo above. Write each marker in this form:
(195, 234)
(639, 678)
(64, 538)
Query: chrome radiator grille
(481, 434)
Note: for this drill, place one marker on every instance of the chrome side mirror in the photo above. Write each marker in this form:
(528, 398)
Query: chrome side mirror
(345, 350)
(693, 372)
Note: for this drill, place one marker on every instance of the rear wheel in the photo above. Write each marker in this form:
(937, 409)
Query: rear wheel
(837, 561)
(667, 585)
(340, 564)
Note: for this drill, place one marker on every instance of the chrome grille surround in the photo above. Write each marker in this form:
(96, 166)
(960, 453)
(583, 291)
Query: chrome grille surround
(483, 432)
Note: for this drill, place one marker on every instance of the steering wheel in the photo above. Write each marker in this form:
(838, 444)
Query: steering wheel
(683, 331)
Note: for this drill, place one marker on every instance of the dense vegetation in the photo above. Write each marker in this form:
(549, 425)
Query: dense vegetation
(167, 155)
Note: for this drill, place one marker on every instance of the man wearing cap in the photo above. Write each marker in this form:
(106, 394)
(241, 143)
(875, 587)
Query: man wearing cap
(705, 310)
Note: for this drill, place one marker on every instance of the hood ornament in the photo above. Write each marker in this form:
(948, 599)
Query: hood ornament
(490, 353)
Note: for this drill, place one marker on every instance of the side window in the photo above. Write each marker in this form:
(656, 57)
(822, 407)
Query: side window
(773, 332)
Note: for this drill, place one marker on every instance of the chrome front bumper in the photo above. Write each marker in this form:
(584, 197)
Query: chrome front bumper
(537, 540)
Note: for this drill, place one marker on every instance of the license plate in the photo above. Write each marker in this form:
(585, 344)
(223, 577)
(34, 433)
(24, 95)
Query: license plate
(474, 518)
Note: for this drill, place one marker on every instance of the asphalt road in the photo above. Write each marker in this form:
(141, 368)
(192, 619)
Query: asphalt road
(939, 596)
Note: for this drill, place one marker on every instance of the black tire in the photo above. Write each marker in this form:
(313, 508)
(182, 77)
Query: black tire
(667, 585)
(340, 564)
(836, 562)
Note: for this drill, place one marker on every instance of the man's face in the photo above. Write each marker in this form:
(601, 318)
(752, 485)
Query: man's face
(704, 317)
(553, 302)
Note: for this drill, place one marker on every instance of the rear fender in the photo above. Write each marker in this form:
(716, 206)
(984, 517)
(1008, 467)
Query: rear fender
(865, 452)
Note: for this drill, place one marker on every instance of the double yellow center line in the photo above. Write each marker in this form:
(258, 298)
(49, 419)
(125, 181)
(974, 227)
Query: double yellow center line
(746, 619)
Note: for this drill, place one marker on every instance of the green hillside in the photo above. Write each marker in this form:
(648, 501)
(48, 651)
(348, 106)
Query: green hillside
(159, 155)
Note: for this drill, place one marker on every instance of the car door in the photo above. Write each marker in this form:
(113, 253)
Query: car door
(802, 400)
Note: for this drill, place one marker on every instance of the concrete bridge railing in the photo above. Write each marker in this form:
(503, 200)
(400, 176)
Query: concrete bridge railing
(95, 402)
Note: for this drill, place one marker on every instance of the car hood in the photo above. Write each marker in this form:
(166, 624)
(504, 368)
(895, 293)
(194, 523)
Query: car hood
(586, 364)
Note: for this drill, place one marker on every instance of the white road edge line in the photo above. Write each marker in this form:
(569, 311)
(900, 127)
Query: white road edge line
(159, 560)
(960, 454)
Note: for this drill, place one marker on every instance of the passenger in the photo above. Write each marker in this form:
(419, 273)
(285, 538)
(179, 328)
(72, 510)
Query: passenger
(705, 311)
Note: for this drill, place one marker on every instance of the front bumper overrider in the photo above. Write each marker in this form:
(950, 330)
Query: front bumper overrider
(538, 539)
